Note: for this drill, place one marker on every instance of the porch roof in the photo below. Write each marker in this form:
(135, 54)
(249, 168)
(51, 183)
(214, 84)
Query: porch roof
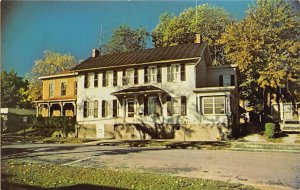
(138, 90)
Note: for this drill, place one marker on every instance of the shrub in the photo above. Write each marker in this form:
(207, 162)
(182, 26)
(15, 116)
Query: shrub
(270, 130)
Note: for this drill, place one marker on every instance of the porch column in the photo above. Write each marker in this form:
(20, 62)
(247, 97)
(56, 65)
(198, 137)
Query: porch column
(75, 108)
(49, 108)
(61, 108)
(37, 109)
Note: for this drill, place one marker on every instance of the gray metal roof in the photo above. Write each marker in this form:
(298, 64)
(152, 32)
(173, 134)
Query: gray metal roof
(178, 52)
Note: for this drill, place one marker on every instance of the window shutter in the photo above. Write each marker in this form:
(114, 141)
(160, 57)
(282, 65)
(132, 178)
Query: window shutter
(145, 105)
(197, 104)
(158, 73)
(232, 80)
(183, 105)
(146, 75)
(85, 80)
(158, 106)
(221, 80)
(124, 78)
(169, 105)
(115, 108)
(104, 81)
(85, 109)
(136, 76)
(104, 108)
(182, 72)
(115, 82)
(95, 108)
(95, 79)
(200, 105)
(169, 73)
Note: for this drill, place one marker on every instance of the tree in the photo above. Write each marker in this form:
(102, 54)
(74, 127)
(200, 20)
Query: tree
(266, 47)
(209, 21)
(125, 39)
(52, 63)
(13, 90)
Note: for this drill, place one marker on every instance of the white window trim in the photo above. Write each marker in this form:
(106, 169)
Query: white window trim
(109, 78)
(129, 79)
(149, 105)
(213, 103)
(52, 83)
(173, 66)
(61, 88)
(155, 74)
(178, 105)
(90, 80)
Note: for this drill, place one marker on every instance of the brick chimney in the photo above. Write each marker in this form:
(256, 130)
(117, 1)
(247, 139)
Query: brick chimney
(95, 53)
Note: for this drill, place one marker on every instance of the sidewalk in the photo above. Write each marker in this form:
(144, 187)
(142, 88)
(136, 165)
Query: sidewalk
(204, 145)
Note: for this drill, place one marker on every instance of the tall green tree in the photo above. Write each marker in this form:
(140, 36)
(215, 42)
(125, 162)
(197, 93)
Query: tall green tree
(51, 63)
(124, 38)
(209, 21)
(13, 90)
(266, 47)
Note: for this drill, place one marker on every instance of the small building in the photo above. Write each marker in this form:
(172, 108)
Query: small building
(168, 92)
(59, 95)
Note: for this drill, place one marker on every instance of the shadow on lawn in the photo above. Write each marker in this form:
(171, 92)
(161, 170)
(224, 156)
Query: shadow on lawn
(9, 186)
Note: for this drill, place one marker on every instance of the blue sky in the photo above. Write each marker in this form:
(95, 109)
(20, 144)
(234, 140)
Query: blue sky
(31, 27)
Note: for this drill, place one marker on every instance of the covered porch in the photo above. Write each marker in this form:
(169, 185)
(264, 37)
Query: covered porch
(56, 108)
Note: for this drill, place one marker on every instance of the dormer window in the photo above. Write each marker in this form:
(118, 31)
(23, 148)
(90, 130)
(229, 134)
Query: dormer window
(226, 80)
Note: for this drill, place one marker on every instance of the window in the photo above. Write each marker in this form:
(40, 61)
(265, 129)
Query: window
(175, 73)
(88, 80)
(95, 108)
(96, 80)
(128, 77)
(104, 108)
(75, 88)
(136, 76)
(115, 82)
(213, 105)
(90, 108)
(63, 88)
(176, 105)
(226, 80)
(109, 78)
(154, 106)
(152, 74)
(51, 90)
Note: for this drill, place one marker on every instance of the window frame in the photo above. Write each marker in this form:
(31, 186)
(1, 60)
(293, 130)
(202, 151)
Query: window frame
(109, 78)
(213, 105)
(154, 75)
(51, 92)
(63, 90)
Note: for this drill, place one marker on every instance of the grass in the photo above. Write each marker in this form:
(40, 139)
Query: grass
(50, 176)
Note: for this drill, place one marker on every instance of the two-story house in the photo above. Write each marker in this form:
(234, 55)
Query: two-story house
(167, 92)
(59, 95)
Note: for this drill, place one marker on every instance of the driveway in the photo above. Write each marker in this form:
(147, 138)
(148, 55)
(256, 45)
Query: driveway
(268, 170)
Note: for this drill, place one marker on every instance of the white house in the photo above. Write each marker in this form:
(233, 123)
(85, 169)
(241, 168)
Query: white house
(167, 92)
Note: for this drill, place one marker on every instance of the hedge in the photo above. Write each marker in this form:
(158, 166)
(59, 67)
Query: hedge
(270, 130)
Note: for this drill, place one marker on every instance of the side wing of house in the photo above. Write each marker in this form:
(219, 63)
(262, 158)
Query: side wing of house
(59, 96)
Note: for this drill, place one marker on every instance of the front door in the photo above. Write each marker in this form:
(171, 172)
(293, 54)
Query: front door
(129, 107)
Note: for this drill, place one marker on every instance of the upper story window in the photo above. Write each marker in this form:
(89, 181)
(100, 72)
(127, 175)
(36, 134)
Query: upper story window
(63, 88)
(152, 74)
(51, 89)
(226, 80)
(128, 76)
(213, 105)
(176, 72)
(88, 78)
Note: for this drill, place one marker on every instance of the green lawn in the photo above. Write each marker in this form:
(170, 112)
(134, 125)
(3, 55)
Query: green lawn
(50, 176)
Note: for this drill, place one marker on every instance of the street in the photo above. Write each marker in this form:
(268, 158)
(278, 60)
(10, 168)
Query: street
(262, 169)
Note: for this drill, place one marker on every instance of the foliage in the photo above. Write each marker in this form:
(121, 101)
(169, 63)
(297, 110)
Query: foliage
(64, 123)
(52, 63)
(209, 21)
(56, 176)
(266, 47)
(13, 122)
(270, 130)
(13, 90)
(125, 39)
